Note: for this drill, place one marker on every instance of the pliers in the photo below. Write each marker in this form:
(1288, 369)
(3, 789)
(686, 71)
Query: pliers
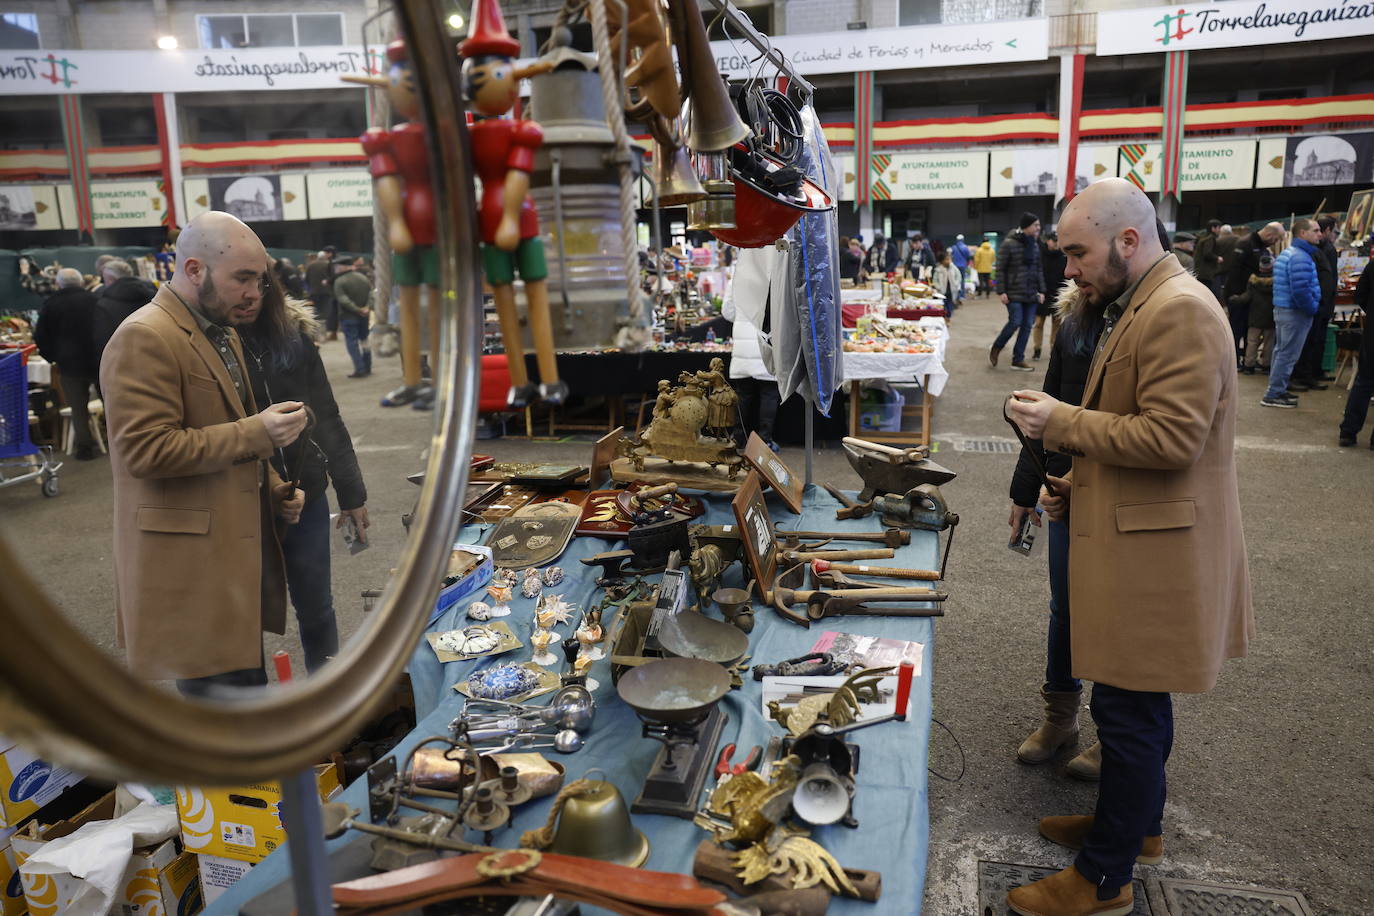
(725, 769)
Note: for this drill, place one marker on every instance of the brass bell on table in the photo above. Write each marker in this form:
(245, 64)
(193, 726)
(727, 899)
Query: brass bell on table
(596, 825)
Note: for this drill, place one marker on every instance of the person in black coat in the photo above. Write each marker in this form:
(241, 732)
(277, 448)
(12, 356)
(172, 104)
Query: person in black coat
(1052, 262)
(1357, 403)
(63, 335)
(284, 365)
(121, 296)
(1071, 357)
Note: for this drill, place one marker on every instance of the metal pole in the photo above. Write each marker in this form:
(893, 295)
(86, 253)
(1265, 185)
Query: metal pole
(300, 814)
(810, 436)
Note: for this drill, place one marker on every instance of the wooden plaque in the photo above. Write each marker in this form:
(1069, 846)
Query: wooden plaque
(774, 472)
(756, 530)
(602, 454)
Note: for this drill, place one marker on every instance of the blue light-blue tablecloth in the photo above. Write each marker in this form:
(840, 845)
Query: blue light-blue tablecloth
(891, 797)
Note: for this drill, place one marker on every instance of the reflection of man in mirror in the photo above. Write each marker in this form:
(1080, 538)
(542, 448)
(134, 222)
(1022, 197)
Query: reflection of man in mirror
(198, 568)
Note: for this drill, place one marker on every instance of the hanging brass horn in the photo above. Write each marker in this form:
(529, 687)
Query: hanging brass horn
(677, 181)
(715, 125)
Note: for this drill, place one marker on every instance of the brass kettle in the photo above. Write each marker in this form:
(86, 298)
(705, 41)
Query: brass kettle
(596, 825)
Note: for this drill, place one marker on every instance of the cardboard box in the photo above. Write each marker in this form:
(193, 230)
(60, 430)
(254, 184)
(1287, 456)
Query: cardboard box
(218, 874)
(27, 783)
(161, 881)
(43, 895)
(244, 822)
(469, 585)
(12, 902)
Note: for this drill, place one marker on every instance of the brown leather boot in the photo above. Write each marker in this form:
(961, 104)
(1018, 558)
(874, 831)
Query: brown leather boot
(1087, 765)
(1067, 893)
(1072, 829)
(1060, 728)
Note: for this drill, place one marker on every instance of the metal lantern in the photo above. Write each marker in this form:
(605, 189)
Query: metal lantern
(574, 187)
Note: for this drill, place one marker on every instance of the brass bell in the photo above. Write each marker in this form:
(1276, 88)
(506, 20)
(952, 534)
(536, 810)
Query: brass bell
(597, 825)
(677, 181)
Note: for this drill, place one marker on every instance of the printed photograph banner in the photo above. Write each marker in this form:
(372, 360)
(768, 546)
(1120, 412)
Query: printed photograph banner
(896, 49)
(29, 207)
(33, 72)
(929, 176)
(1094, 164)
(1220, 166)
(337, 194)
(1328, 159)
(252, 198)
(1239, 23)
(1023, 172)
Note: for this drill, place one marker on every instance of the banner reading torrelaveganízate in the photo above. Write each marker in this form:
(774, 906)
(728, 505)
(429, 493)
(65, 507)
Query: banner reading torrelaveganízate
(1229, 25)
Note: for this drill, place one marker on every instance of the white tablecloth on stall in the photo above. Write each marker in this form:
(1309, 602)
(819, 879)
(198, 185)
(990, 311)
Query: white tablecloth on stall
(40, 370)
(902, 367)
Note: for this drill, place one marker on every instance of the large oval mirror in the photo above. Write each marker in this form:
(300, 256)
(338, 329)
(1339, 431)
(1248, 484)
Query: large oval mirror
(166, 506)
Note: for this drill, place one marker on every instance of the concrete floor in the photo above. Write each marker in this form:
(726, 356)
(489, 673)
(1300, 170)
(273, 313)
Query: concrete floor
(1270, 777)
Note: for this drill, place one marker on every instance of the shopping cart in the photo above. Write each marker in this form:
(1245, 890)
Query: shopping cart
(20, 459)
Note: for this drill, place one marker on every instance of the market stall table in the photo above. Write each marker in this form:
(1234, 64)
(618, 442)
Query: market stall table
(890, 802)
(926, 369)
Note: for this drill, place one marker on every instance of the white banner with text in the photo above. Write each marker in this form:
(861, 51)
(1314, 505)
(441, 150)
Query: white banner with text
(1239, 23)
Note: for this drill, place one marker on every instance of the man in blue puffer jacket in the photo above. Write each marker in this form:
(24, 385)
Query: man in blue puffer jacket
(1297, 294)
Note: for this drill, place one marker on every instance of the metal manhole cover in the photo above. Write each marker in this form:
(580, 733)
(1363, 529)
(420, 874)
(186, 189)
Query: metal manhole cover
(1207, 898)
(990, 446)
(995, 879)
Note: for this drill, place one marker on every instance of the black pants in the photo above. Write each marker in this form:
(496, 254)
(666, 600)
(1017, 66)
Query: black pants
(77, 392)
(758, 406)
(1357, 404)
(222, 686)
(1137, 732)
(1309, 367)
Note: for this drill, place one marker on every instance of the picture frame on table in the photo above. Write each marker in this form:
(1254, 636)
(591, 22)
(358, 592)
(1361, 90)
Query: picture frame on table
(775, 472)
(756, 530)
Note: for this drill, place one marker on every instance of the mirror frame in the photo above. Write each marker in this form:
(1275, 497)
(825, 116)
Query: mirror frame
(72, 702)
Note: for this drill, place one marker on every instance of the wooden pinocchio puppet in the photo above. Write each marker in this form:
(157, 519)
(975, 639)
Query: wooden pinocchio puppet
(399, 162)
(503, 149)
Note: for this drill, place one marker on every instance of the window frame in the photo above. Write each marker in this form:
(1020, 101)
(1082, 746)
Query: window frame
(295, 27)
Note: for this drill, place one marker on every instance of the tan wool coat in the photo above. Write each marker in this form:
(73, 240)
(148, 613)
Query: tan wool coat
(189, 511)
(1158, 580)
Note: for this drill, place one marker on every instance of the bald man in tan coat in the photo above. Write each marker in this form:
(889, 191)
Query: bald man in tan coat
(1158, 579)
(198, 567)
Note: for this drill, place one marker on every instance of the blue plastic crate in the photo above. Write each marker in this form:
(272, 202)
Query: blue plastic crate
(14, 407)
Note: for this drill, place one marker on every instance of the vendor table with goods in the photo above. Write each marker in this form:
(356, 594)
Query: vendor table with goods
(907, 352)
(890, 801)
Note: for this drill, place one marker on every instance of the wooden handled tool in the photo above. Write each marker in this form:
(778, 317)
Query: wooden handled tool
(899, 454)
(648, 493)
(891, 537)
(806, 556)
(883, 572)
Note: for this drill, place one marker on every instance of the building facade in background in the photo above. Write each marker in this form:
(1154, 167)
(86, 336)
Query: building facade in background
(976, 110)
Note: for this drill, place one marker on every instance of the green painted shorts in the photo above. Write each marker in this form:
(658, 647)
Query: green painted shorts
(528, 257)
(419, 267)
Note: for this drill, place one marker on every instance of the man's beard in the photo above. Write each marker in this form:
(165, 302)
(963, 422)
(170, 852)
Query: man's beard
(210, 305)
(1113, 279)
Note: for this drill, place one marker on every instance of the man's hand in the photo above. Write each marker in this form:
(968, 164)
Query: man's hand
(290, 500)
(1056, 504)
(1040, 297)
(359, 516)
(1018, 513)
(1031, 410)
(365, 314)
(1005, 299)
(284, 421)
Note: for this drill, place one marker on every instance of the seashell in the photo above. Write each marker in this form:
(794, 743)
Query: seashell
(479, 610)
(500, 594)
(468, 641)
(553, 575)
(531, 587)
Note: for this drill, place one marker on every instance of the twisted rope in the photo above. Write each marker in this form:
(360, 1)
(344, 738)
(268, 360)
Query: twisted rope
(635, 335)
(542, 837)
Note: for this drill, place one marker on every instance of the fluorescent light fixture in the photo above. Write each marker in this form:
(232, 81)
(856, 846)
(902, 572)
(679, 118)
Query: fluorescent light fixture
(167, 42)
